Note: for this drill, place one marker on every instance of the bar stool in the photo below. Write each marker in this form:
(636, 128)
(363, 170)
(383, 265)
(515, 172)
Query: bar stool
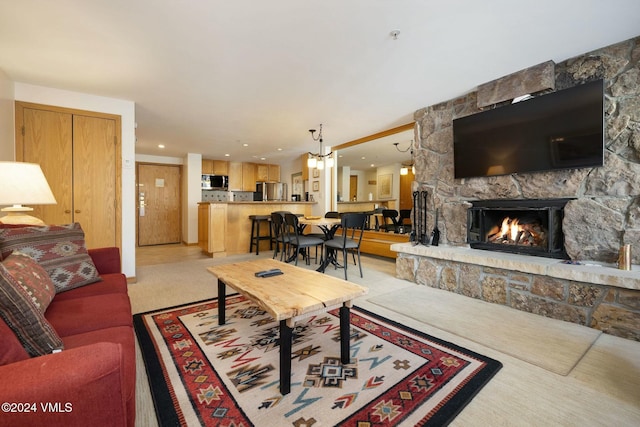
(255, 232)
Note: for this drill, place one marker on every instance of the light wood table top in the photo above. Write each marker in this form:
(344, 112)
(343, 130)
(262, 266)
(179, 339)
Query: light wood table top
(296, 293)
(326, 222)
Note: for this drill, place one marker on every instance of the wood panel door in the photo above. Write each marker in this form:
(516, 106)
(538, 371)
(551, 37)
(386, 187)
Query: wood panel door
(79, 155)
(159, 200)
(47, 139)
(94, 179)
(406, 195)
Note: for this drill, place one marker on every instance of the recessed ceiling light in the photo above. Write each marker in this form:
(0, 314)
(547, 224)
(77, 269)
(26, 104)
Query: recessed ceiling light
(279, 149)
(245, 145)
(263, 158)
(363, 158)
(372, 165)
(160, 145)
(227, 155)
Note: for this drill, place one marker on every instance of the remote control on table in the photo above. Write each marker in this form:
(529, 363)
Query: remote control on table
(269, 273)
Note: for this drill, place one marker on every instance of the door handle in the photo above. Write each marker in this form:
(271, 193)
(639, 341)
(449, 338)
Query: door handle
(77, 210)
(67, 211)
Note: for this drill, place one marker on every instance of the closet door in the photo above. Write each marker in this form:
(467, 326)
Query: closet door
(78, 153)
(94, 179)
(48, 140)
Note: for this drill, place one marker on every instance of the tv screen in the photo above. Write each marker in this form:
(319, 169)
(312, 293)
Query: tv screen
(559, 130)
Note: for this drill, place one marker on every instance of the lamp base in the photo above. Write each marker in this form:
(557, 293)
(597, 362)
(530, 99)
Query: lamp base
(16, 215)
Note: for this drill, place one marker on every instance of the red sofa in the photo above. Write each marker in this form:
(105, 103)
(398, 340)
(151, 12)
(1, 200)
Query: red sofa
(92, 381)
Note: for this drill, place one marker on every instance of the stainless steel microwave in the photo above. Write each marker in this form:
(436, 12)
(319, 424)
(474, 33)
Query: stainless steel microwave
(215, 182)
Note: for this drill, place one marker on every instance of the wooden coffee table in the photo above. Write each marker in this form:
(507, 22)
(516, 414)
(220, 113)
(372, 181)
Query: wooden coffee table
(296, 294)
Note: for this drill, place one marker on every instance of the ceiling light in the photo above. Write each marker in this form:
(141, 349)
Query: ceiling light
(316, 160)
(160, 145)
(227, 155)
(394, 34)
(404, 170)
(245, 145)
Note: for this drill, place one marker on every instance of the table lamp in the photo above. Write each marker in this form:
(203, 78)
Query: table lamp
(23, 183)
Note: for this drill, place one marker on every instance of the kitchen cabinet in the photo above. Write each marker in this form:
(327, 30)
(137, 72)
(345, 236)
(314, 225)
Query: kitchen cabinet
(242, 176)
(274, 173)
(248, 177)
(262, 172)
(79, 153)
(235, 176)
(212, 228)
(215, 167)
(266, 172)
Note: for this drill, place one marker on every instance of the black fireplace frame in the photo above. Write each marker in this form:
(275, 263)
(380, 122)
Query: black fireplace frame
(553, 209)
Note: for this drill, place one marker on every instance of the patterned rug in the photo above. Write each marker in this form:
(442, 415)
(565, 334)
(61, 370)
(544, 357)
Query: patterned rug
(204, 374)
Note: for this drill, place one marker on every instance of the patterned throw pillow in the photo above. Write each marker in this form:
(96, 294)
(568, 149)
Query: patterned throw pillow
(25, 293)
(59, 249)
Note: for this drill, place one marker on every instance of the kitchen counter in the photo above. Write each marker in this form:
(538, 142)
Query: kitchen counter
(224, 228)
(366, 205)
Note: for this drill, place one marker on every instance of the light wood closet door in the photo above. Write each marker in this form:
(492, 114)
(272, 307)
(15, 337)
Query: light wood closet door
(94, 179)
(48, 141)
(78, 155)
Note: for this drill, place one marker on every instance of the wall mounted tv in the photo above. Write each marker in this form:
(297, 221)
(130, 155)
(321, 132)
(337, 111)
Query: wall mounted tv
(559, 130)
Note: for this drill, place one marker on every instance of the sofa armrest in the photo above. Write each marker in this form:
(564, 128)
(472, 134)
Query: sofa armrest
(77, 387)
(106, 260)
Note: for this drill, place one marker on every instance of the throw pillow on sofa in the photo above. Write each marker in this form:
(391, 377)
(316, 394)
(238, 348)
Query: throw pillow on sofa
(25, 292)
(59, 249)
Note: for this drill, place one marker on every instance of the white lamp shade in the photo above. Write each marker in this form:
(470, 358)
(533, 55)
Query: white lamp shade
(404, 170)
(330, 162)
(311, 162)
(320, 165)
(24, 184)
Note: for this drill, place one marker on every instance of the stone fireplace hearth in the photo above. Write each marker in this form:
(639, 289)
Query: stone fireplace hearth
(601, 215)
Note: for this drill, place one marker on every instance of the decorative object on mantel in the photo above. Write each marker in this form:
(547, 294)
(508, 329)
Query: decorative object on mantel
(316, 160)
(419, 230)
(404, 170)
(23, 183)
(624, 259)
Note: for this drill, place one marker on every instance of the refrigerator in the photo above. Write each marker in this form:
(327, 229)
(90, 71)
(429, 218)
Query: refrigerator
(272, 191)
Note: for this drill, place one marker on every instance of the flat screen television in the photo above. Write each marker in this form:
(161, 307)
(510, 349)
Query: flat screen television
(559, 130)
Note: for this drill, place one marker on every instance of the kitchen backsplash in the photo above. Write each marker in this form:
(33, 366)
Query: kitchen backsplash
(226, 196)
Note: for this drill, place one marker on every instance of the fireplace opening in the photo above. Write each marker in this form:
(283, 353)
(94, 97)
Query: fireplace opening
(529, 227)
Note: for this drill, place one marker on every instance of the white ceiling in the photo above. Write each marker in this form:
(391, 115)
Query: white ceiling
(208, 76)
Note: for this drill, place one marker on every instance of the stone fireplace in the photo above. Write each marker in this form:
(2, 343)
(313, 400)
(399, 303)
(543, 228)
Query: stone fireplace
(528, 227)
(602, 210)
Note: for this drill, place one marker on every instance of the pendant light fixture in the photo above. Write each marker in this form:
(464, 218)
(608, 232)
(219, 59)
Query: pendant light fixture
(317, 160)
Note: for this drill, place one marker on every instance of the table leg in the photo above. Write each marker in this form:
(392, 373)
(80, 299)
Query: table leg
(345, 329)
(286, 335)
(222, 288)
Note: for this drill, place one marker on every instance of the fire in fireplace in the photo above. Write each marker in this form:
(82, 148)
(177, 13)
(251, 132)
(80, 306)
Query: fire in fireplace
(530, 227)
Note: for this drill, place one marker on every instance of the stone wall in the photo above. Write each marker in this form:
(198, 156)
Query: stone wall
(613, 310)
(606, 211)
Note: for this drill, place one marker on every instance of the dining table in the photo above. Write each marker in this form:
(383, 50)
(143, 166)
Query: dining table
(328, 227)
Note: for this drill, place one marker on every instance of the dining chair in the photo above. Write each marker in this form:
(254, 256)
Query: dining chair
(391, 214)
(281, 240)
(299, 241)
(352, 231)
(404, 215)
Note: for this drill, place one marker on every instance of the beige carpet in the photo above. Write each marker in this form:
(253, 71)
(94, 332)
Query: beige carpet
(550, 344)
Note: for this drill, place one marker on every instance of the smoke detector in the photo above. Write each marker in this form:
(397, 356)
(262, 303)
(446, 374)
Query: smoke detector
(394, 34)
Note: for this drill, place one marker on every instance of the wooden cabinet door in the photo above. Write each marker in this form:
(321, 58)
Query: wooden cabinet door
(262, 172)
(235, 176)
(248, 177)
(207, 166)
(220, 167)
(47, 139)
(94, 179)
(274, 173)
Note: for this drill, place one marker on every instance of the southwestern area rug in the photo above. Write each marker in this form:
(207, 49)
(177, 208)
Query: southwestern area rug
(204, 374)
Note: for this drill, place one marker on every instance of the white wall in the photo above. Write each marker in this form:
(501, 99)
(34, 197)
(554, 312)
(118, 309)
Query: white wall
(126, 110)
(7, 121)
(193, 175)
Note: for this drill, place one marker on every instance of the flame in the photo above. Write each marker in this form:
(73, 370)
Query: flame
(510, 228)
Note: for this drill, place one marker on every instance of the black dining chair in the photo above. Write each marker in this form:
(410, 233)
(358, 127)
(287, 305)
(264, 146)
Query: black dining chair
(352, 231)
(281, 240)
(391, 214)
(299, 241)
(405, 214)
